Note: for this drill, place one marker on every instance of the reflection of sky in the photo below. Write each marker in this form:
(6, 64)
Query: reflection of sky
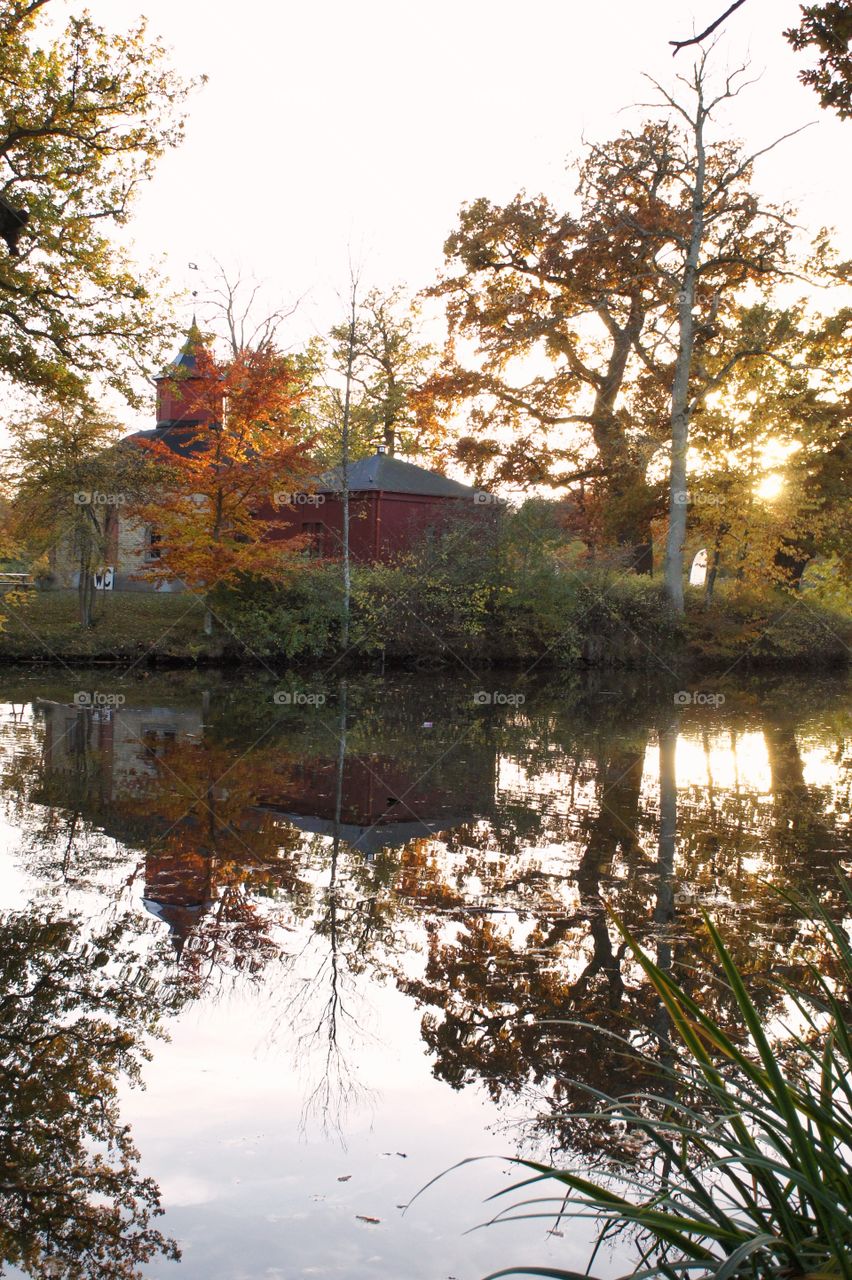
(220, 1125)
(719, 760)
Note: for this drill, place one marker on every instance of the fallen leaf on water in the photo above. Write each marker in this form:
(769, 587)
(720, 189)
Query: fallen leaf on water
(363, 1217)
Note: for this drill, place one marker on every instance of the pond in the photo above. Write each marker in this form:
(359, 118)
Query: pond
(281, 952)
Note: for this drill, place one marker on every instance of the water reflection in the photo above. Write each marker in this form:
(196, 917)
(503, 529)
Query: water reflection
(77, 1007)
(202, 841)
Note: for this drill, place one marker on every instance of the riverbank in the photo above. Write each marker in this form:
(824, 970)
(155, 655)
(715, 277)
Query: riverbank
(625, 625)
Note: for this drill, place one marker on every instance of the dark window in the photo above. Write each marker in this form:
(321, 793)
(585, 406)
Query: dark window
(153, 545)
(315, 530)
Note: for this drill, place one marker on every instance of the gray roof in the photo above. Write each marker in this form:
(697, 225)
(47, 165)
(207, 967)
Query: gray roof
(392, 475)
(369, 840)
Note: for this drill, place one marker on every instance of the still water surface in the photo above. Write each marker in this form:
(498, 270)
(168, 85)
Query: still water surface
(355, 926)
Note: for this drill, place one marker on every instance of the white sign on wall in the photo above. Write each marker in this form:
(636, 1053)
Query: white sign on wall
(104, 578)
(698, 572)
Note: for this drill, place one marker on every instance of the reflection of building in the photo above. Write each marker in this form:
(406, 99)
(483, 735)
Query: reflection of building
(117, 745)
(379, 802)
(110, 764)
(179, 888)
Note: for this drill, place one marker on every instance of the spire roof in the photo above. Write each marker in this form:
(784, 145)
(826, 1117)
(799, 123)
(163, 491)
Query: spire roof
(186, 358)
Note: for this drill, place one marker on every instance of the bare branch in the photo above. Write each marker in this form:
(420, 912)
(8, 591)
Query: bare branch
(708, 31)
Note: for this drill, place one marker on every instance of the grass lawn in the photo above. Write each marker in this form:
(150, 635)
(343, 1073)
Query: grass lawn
(128, 624)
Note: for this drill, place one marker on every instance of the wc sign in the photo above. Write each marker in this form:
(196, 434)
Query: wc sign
(104, 578)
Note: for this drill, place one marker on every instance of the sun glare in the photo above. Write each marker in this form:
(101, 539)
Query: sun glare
(770, 487)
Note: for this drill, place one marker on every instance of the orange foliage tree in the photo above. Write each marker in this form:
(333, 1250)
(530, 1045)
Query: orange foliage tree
(228, 471)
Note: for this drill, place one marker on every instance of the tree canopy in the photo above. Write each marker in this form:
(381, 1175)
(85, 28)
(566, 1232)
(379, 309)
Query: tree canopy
(84, 118)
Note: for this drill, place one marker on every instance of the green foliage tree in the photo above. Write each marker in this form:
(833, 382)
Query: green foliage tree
(391, 367)
(84, 117)
(827, 30)
(70, 475)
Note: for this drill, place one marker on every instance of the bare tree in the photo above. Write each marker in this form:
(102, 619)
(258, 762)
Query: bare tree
(234, 306)
(726, 241)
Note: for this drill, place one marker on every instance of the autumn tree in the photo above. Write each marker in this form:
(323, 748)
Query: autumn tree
(771, 453)
(587, 325)
(224, 478)
(84, 118)
(70, 477)
(555, 304)
(723, 239)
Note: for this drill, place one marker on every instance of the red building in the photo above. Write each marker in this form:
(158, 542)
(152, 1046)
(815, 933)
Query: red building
(392, 504)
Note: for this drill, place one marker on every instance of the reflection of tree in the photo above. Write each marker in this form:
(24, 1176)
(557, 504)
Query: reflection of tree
(72, 1020)
(515, 1000)
(340, 945)
(52, 806)
(213, 856)
(514, 1003)
(522, 961)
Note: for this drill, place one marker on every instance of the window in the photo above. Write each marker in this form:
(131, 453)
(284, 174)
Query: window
(153, 546)
(314, 529)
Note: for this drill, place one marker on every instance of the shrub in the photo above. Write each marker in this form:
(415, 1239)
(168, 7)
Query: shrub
(300, 619)
(767, 626)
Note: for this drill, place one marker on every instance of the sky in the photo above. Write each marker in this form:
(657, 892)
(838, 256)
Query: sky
(333, 132)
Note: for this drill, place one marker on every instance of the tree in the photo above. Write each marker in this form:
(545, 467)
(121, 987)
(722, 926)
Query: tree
(771, 454)
(391, 366)
(556, 304)
(71, 477)
(224, 478)
(722, 240)
(83, 120)
(827, 28)
(236, 305)
(573, 316)
(74, 1017)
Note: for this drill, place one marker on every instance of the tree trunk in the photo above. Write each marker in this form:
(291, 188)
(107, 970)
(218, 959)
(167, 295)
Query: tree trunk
(344, 465)
(632, 523)
(85, 590)
(680, 411)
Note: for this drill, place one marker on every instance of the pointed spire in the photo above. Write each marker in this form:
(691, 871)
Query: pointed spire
(186, 357)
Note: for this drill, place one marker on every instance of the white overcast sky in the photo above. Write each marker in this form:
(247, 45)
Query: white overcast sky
(359, 127)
